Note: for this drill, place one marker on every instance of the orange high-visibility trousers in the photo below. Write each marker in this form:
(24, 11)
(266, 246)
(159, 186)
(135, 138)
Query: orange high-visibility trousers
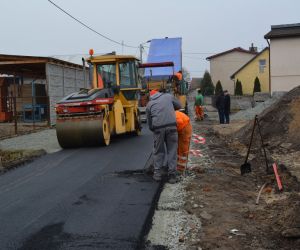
(199, 111)
(184, 137)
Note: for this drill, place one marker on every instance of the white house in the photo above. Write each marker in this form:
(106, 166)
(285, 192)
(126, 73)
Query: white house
(224, 64)
(284, 43)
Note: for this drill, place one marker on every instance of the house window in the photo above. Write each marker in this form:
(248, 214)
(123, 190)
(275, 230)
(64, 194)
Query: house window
(262, 65)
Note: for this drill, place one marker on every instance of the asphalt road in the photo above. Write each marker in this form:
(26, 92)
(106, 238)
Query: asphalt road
(88, 198)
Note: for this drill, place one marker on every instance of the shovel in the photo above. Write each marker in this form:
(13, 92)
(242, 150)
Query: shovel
(268, 169)
(246, 167)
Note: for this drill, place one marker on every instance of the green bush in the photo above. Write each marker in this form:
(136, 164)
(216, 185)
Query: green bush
(238, 88)
(218, 88)
(207, 86)
(256, 85)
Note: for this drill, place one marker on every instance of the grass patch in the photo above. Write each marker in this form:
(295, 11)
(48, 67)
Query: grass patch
(14, 158)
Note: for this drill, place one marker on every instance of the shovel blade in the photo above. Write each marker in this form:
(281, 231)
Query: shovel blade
(245, 168)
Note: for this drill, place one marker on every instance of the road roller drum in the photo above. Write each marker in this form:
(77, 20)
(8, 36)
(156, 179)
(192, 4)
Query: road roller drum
(82, 131)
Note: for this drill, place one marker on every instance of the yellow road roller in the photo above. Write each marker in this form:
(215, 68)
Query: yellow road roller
(89, 117)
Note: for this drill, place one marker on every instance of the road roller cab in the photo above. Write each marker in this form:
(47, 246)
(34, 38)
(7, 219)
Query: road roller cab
(91, 116)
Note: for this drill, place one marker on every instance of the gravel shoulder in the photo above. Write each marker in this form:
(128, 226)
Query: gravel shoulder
(22, 149)
(42, 140)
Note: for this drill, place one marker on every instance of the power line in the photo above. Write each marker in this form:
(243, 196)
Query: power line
(88, 27)
(197, 53)
(196, 58)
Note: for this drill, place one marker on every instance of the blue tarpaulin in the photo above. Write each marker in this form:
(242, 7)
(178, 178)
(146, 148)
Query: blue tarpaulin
(164, 50)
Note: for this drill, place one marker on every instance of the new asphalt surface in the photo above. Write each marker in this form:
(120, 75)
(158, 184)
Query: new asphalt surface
(87, 198)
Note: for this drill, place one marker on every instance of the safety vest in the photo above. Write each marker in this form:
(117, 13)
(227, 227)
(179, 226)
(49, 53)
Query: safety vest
(181, 120)
(100, 81)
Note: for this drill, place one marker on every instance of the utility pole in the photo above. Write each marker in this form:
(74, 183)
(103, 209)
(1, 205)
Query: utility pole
(141, 53)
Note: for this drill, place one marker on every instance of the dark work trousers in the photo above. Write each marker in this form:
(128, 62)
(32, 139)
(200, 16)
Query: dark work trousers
(165, 143)
(221, 115)
(226, 115)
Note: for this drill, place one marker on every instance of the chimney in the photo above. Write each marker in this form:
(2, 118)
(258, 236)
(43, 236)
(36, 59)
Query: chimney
(252, 48)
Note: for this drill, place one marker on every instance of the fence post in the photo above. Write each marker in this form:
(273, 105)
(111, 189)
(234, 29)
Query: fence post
(48, 111)
(33, 112)
(15, 114)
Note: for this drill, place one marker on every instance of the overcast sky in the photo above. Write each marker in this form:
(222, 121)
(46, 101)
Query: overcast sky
(36, 27)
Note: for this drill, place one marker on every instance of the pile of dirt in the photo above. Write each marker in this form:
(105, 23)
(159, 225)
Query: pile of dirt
(280, 123)
(225, 201)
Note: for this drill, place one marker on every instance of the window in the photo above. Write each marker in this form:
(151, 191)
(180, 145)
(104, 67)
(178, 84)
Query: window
(128, 75)
(262, 65)
(106, 75)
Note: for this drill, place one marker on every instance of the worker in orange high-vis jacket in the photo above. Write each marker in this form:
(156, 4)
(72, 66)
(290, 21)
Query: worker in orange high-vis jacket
(184, 129)
(199, 110)
(179, 75)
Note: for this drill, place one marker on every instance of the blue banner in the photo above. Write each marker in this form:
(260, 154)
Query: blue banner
(164, 50)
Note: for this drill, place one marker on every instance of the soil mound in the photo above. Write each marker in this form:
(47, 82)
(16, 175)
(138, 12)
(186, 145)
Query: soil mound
(280, 123)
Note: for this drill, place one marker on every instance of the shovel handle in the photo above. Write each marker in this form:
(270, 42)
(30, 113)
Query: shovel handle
(251, 139)
(263, 145)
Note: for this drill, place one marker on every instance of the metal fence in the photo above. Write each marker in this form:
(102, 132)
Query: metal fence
(21, 115)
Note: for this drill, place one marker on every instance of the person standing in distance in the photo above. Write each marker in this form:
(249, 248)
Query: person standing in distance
(226, 106)
(161, 119)
(199, 110)
(220, 106)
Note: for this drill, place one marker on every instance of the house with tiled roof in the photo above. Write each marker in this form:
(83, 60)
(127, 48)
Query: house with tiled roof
(284, 43)
(224, 64)
(258, 67)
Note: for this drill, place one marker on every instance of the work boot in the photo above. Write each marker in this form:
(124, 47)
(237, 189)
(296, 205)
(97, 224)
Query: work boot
(164, 171)
(173, 178)
(149, 170)
(157, 176)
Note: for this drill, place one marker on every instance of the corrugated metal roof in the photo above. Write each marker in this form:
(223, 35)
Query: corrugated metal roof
(33, 66)
(36, 59)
